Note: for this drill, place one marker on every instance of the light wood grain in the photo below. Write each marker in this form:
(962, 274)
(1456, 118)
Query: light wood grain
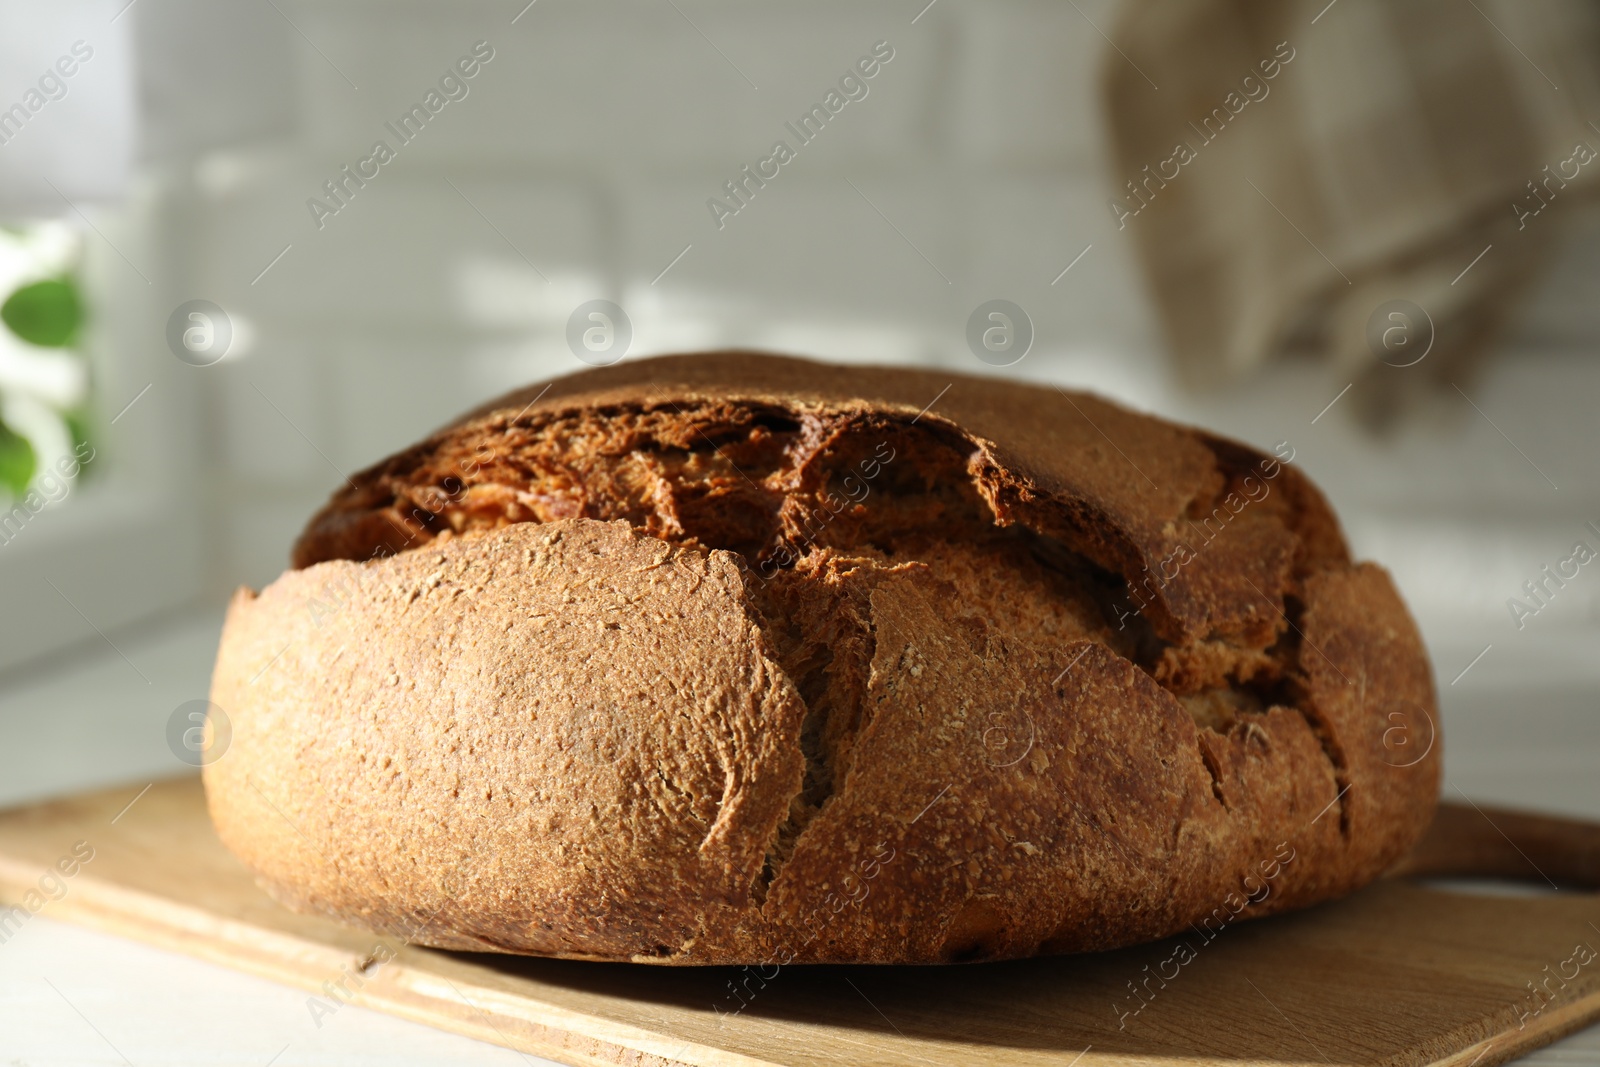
(1467, 839)
(1399, 974)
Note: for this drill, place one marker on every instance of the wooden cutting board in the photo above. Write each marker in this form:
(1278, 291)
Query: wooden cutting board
(1399, 974)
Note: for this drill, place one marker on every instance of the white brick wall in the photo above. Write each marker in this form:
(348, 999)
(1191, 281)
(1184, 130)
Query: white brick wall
(590, 144)
(399, 254)
(1023, 99)
(619, 86)
(275, 414)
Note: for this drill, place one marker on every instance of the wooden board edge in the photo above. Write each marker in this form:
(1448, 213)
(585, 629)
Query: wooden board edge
(1553, 1025)
(394, 988)
(529, 1025)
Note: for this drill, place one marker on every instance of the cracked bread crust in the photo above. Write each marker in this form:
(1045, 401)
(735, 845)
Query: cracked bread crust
(738, 659)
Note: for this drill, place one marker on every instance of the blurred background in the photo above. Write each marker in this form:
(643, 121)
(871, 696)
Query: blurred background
(190, 157)
(157, 153)
(190, 154)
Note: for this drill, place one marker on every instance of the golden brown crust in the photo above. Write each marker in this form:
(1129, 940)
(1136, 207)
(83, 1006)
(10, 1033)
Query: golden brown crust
(644, 682)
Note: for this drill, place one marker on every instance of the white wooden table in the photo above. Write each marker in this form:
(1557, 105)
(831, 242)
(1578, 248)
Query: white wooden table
(1519, 731)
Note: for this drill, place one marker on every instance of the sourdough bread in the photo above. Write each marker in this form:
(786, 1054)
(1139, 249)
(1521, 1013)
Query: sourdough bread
(734, 658)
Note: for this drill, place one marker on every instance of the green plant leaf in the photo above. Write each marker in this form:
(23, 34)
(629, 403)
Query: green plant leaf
(78, 423)
(45, 313)
(17, 461)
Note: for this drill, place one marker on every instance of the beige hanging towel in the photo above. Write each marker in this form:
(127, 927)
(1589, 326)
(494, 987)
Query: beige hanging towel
(1288, 169)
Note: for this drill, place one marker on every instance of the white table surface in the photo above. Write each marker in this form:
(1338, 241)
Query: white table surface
(1521, 732)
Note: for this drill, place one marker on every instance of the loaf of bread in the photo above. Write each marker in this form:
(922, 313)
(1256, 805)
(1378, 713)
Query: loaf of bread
(732, 658)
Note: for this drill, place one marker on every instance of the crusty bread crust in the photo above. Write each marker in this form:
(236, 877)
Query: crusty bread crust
(648, 681)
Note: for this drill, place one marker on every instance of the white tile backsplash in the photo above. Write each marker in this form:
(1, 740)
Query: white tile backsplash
(1022, 99)
(400, 252)
(582, 160)
(620, 87)
(273, 412)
